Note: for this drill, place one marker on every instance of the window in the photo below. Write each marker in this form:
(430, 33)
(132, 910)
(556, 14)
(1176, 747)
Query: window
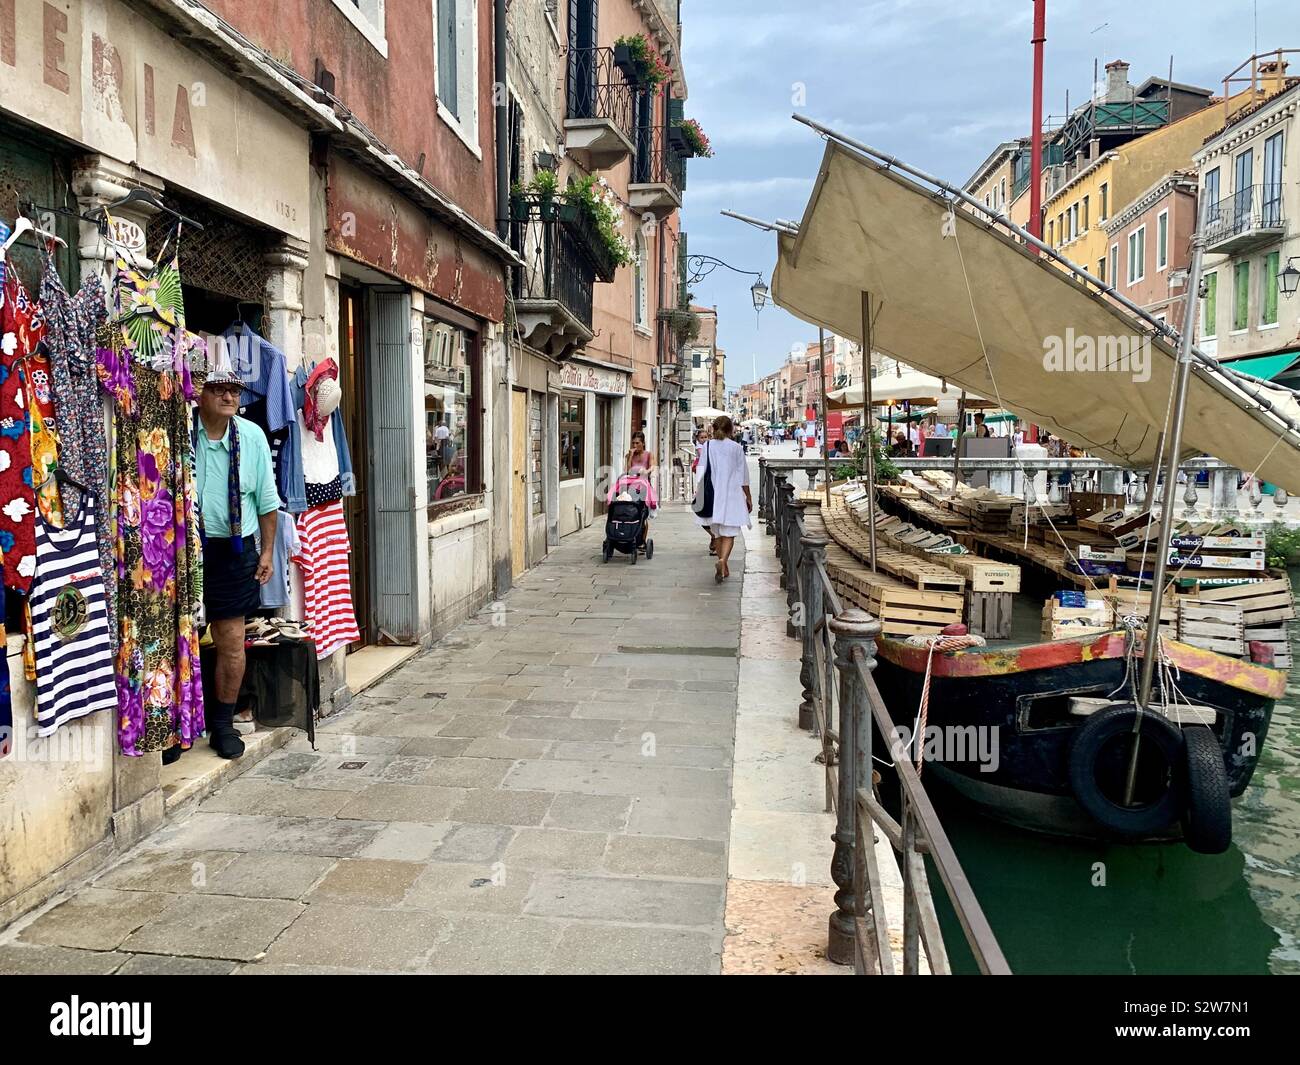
(1060, 227)
(1210, 324)
(1114, 264)
(1242, 191)
(1102, 194)
(1085, 214)
(1240, 294)
(1268, 288)
(451, 415)
(640, 297)
(368, 18)
(1074, 221)
(1271, 193)
(573, 417)
(1002, 192)
(1162, 240)
(455, 62)
(1051, 233)
(1210, 197)
(695, 360)
(1101, 269)
(1137, 255)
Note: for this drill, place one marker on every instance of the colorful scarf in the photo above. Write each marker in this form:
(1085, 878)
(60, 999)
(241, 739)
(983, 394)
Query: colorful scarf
(234, 501)
(311, 414)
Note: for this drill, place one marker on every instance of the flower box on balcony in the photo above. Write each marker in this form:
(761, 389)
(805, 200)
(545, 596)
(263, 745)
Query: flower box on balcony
(588, 236)
(678, 142)
(626, 62)
(520, 208)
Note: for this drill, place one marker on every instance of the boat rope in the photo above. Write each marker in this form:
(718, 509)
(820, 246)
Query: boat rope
(934, 643)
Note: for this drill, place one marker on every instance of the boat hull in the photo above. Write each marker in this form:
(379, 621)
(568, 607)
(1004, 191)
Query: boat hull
(1015, 766)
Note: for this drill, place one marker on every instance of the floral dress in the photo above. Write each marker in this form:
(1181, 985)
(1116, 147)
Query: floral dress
(143, 363)
(83, 451)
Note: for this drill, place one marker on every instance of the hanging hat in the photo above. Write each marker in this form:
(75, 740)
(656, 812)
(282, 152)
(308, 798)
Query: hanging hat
(329, 394)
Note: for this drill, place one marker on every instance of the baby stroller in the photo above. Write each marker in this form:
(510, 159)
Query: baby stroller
(630, 501)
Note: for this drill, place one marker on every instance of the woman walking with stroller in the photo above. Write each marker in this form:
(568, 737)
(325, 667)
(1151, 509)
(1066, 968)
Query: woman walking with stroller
(722, 500)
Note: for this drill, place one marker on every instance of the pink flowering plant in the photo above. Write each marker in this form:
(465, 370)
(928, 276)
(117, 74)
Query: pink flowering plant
(693, 134)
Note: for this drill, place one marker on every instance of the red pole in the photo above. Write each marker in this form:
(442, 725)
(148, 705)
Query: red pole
(1036, 133)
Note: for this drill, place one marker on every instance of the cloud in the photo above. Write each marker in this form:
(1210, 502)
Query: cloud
(740, 191)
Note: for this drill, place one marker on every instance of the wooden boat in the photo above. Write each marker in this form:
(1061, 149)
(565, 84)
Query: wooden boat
(1028, 700)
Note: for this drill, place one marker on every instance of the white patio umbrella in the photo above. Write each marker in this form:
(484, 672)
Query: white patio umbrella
(708, 412)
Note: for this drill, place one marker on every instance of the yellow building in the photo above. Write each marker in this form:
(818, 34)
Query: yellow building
(1074, 215)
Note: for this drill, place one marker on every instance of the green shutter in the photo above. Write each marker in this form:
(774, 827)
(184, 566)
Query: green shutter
(1211, 305)
(1268, 292)
(1240, 294)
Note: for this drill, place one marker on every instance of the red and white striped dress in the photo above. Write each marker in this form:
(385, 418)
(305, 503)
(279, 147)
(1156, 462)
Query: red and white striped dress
(327, 584)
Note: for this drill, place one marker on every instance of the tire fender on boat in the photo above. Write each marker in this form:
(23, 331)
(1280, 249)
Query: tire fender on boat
(1097, 763)
(1207, 821)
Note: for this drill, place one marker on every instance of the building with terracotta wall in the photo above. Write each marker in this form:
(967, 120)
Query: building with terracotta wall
(1150, 246)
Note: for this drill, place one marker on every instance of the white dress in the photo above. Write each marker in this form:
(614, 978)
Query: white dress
(730, 473)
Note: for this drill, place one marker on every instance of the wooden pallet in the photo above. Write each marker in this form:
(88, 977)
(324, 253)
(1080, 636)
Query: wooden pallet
(911, 611)
(1213, 626)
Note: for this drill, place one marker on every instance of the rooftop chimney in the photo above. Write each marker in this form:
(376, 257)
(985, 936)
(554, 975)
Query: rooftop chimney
(1118, 89)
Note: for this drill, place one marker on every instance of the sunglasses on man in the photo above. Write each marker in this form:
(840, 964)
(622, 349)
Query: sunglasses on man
(225, 389)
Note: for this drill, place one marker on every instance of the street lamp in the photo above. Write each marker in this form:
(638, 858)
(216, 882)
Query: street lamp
(700, 266)
(1288, 280)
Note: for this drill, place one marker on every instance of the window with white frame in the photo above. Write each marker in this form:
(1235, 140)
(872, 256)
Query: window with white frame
(368, 18)
(1101, 204)
(1137, 255)
(1162, 240)
(640, 295)
(1114, 265)
(455, 64)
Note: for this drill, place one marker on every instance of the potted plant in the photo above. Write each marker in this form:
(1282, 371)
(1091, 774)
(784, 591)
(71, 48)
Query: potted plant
(598, 225)
(694, 140)
(520, 208)
(544, 186)
(639, 62)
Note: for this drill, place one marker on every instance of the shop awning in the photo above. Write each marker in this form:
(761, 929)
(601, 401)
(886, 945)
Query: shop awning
(962, 300)
(1265, 367)
(891, 388)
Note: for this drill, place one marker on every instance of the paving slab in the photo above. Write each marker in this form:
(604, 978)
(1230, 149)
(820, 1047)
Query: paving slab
(402, 802)
(616, 950)
(632, 900)
(96, 918)
(29, 959)
(366, 882)
(215, 926)
(359, 938)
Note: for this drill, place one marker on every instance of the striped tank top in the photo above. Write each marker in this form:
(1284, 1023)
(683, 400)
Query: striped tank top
(74, 662)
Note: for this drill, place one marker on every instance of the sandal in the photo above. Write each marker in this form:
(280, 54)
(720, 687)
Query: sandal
(717, 574)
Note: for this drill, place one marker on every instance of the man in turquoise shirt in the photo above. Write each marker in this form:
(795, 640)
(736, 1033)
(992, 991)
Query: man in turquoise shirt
(233, 568)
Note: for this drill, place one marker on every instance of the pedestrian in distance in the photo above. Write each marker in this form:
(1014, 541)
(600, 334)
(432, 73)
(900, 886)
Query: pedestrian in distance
(723, 503)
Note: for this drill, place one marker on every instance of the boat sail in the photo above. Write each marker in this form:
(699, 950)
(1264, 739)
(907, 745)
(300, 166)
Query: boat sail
(968, 297)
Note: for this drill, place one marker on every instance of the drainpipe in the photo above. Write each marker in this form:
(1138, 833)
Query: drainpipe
(503, 117)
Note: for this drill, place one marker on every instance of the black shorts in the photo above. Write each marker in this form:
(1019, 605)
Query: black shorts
(230, 588)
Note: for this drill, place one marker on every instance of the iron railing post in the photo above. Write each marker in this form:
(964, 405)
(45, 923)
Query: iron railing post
(762, 489)
(792, 563)
(854, 628)
(784, 497)
(811, 610)
(773, 500)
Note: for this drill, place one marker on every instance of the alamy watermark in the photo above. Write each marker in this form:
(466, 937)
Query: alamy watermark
(1073, 353)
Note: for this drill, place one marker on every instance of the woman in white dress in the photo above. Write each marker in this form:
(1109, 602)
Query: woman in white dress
(722, 460)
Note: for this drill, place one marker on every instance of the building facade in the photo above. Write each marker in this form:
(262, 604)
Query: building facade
(1251, 202)
(1149, 247)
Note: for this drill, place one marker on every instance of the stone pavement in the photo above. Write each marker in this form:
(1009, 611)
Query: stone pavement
(547, 790)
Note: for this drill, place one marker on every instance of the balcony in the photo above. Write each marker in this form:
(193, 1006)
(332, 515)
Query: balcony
(553, 289)
(1250, 218)
(658, 174)
(600, 122)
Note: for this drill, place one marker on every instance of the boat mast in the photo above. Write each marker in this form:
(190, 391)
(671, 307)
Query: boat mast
(1036, 131)
(1151, 651)
(866, 425)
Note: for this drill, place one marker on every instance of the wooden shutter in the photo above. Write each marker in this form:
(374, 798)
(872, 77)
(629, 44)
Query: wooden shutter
(447, 72)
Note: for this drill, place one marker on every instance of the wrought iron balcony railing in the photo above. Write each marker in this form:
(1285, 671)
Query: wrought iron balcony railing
(558, 264)
(657, 162)
(600, 89)
(1250, 215)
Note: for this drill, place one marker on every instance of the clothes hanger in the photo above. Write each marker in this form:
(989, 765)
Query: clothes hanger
(22, 225)
(145, 196)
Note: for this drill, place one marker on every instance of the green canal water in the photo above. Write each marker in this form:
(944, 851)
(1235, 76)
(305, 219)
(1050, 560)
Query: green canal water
(1061, 906)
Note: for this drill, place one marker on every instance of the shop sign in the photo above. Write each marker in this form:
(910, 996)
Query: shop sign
(101, 75)
(593, 379)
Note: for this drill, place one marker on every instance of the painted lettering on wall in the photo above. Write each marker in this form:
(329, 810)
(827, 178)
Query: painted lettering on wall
(56, 23)
(591, 379)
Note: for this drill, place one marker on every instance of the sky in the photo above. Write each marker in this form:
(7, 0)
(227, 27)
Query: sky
(936, 82)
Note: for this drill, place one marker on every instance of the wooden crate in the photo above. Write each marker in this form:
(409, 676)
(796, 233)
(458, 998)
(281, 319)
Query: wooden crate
(1213, 626)
(1262, 603)
(1276, 638)
(1066, 622)
(988, 614)
(911, 611)
(983, 575)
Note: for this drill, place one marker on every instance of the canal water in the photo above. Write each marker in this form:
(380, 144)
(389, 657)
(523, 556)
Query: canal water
(1060, 906)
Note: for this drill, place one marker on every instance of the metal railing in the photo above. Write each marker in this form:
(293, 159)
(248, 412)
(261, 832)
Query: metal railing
(1250, 208)
(557, 265)
(841, 705)
(599, 89)
(656, 160)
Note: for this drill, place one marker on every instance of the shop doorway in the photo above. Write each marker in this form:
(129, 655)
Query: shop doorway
(356, 508)
(520, 439)
(604, 451)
